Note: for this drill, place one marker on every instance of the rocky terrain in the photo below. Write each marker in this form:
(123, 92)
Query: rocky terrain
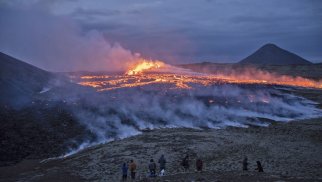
(38, 132)
(288, 152)
(35, 120)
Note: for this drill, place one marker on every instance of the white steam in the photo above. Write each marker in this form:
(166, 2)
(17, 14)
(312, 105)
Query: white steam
(126, 112)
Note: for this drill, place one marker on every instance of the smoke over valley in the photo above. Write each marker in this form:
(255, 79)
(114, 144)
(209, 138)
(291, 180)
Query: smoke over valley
(116, 106)
(86, 87)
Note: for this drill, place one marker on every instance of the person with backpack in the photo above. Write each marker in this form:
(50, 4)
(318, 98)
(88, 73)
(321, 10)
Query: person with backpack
(185, 163)
(152, 168)
(162, 163)
(259, 167)
(132, 169)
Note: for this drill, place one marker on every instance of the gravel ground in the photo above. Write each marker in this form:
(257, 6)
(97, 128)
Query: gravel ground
(288, 151)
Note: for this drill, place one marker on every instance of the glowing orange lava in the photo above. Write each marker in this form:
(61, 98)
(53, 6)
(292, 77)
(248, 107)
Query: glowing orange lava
(137, 76)
(185, 81)
(144, 65)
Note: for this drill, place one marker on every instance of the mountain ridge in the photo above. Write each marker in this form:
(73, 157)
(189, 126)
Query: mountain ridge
(19, 81)
(35, 122)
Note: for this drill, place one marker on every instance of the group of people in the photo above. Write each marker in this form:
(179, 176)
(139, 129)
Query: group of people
(126, 167)
(152, 168)
(258, 163)
(184, 163)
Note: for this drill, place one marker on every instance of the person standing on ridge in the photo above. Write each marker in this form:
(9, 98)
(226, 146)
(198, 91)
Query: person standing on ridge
(245, 164)
(185, 163)
(152, 168)
(199, 165)
(259, 167)
(162, 163)
(132, 169)
(124, 171)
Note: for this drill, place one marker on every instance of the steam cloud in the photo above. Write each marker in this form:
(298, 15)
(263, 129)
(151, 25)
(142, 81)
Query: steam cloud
(57, 43)
(126, 112)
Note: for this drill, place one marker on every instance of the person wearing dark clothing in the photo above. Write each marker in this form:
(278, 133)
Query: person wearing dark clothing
(199, 165)
(259, 167)
(124, 171)
(132, 169)
(185, 163)
(162, 163)
(245, 164)
(152, 168)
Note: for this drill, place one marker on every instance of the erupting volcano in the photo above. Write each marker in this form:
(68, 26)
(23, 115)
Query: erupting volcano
(109, 85)
(143, 66)
(153, 94)
(157, 72)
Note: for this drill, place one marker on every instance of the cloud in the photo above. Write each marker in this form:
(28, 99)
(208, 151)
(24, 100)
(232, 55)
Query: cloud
(196, 30)
(217, 30)
(57, 43)
(95, 12)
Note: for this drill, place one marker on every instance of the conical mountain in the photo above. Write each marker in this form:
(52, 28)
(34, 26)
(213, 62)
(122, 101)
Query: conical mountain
(270, 54)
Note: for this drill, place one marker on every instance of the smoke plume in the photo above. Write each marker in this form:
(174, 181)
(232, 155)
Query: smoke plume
(126, 112)
(56, 42)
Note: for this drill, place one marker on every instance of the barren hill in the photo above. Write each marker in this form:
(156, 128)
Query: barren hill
(19, 81)
(32, 125)
(270, 54)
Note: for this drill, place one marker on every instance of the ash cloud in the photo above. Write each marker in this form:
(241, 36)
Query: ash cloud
(57, 43)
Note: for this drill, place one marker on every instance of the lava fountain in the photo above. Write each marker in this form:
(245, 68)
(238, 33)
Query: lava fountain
(143, 66)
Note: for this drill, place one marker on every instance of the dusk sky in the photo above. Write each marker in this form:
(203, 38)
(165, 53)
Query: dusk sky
(171, 30)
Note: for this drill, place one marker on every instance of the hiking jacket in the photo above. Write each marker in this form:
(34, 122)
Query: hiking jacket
(132, 167)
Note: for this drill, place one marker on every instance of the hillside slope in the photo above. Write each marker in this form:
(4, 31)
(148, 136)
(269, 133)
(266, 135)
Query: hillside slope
(271, 54)
(287, 151)
(33, 124)
(19, 81)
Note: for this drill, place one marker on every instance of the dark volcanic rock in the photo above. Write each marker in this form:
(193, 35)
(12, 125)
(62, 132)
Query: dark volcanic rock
(271, 54)
(19, 81)
(38, 132)
(32, 124)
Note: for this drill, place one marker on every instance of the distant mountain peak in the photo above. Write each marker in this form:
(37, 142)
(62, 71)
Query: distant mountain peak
(270, 46)
(271, 54)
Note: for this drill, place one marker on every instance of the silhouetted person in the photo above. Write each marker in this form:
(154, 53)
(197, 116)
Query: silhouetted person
(162, 163)
(152, 168)
(245, 164)
(199, 165)
(185, 163)
(132, 169)
(259, 167)
(124, 171)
